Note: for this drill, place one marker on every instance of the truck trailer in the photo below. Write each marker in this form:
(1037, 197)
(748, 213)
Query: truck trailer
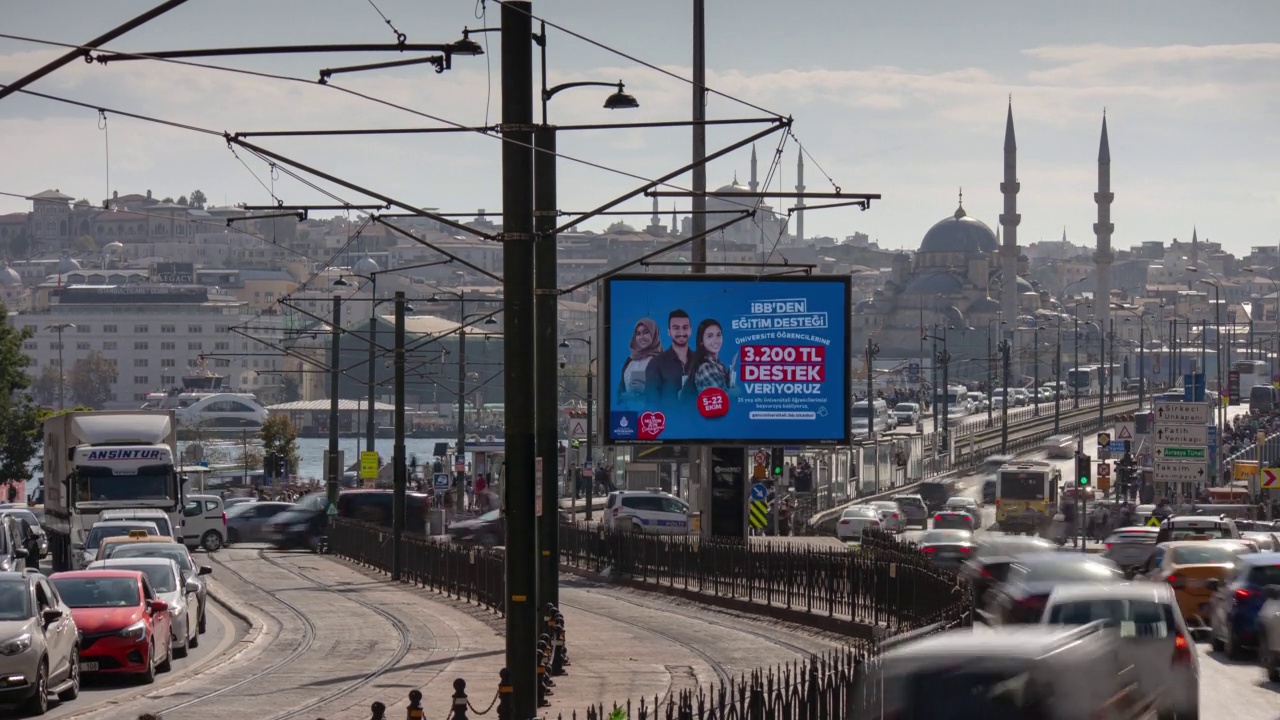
(95, 461)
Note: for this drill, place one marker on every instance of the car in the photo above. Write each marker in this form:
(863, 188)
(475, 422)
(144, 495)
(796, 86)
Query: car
(1185, 526)
(1031, 579)
(907, 413)
(1060, 446)
(25, 515)
(181, 595)
(102, 530)
(303, 526)
(15, 555)
(957, 503)
(997, 399)
(979, 401)
(934, 493)
(178, 553)
(39, 643)
(1187, 566)
(1269, 633)
(952, 520)
(1266, 541)
(204, 519)
(124, 626)
(487, 529)
(233, 501)
(947, 548)
(1129, 547)
(991, 560)
(914, 511)
(891, 517)
(1155, 640)
(248, 522)
(154, 515)
(857, 519)
(646, 511)
(109, 545)
(989, 489)
(1234, 610)
(1022, 396)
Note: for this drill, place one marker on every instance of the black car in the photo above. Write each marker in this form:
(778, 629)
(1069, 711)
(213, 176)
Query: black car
(990, 560)
(302, 527)
(1021, 598)
(935, 494)
(488, 529)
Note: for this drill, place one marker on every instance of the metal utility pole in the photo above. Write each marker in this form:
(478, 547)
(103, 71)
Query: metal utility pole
(1075, 377)
(1057, 390)
(872, 350)
(460, 456)
(371, 421)
(991, 376)
(1004, 408)
(1111, 361)
(1102, 391)
(546, 362)
(519, 370)
(398, 460)
(62, 369)
(591, 416)
(699, 199)
(334, 480)
(1035, 358)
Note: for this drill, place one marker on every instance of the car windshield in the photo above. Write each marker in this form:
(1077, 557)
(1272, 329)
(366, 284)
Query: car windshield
(27, 515)
(863, 511)
(958, 693)
(946, 536)
(909, 501)
(1204, 555)
(1131, 537)
(1219, 532)
(98, 534)
(15, 600)
(961, 502)
(161, 576)
(240, 509)
(174, 552)
(82, 592)
(1135, 618)
(905, 407)
(1069, 572)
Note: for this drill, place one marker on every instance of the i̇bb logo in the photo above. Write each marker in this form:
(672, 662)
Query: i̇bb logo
(713, 403)
(652, 423)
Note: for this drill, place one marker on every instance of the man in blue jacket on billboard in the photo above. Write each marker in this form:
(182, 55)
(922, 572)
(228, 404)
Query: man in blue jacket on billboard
(666, 373)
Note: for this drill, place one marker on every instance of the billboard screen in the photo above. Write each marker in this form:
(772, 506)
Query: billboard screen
(725, 359)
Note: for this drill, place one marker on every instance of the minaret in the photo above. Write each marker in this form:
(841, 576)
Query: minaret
(1102, 230)
(675, 222)
(655, 220)
(754, 178)
(1009, 220)
(800, 200)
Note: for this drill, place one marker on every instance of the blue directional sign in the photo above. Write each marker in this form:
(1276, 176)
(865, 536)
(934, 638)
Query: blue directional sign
(759, 492)
(442, 481)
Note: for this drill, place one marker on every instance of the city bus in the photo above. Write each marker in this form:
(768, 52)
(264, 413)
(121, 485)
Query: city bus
(1027, 496)
(1252, 372)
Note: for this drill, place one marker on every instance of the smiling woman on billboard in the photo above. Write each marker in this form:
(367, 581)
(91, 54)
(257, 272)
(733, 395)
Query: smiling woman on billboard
(645, 345)
(706, 370)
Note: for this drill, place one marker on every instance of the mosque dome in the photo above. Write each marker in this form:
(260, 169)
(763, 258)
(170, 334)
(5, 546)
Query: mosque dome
(366, 266)
(960, 233)
(9, 277)
(984, 306)
(934, 283)
(620, 227)
(67, 264)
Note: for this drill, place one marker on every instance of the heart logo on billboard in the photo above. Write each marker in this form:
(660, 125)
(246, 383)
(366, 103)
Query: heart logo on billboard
(713, 403)
(651, 425)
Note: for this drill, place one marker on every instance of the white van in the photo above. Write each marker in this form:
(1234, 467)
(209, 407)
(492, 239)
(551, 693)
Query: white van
(155, 515)
(881, 418)
(646, 511)
(204, 522)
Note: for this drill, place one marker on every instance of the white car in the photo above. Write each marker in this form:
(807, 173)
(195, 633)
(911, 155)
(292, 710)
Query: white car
(646, 511)
(182, 596)
(855, 520)
(104, 529)
(1156, 639)
(907, 413)
(967, 505)
(891, 519)
(979, 401)
(1269, 641)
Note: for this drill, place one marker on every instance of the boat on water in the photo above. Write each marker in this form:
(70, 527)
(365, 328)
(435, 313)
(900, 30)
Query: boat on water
(205, 403)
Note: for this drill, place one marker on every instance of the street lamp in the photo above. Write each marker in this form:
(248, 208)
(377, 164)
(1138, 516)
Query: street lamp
(1217, 341)
(1275, 345)
(1004, 407)
(942, 357)
(591, 482)
(1142, 347)
(991, 375)
(62, 371)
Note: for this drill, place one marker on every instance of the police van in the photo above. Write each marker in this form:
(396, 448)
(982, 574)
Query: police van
(646, 511)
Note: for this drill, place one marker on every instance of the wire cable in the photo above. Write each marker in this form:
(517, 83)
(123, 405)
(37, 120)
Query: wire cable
(401, 38)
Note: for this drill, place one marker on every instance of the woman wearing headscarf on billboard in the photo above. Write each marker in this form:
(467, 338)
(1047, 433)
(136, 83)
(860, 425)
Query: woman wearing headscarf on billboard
(646, 344)
(706, 369)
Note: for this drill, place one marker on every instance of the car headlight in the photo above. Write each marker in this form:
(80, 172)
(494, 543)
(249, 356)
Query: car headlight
(20, 644)
(176, 610)
(136, 631)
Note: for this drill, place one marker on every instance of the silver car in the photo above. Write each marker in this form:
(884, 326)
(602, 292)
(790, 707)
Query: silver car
(891, 517)
(247, 522)
(39, 643)
(178, 553)
(183, 596)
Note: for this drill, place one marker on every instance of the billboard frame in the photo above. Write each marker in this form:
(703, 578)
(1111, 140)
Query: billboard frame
(604, 362)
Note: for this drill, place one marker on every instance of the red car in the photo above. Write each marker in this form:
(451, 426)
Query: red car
(124, 626)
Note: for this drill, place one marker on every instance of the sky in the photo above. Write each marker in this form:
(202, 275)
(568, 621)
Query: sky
(903, 99)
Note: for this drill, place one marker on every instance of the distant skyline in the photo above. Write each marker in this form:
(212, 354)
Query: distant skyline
(906, 100)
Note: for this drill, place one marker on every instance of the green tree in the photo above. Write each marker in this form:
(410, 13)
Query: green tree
(45, 387)
(182, 200)
(291, 389)
(19, 415)
(91, 378)
(167, 201)
(198, 199)
(280, 438)
(86, 244)
(251, 460)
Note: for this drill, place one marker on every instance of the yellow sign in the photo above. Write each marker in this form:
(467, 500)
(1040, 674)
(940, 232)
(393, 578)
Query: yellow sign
(1270, 478)
(1245, 469)
(1104, 439)
(369, 465)
(1153, 521)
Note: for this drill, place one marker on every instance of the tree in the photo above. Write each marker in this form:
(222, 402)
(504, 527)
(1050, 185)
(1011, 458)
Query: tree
(45, 387)
(198, 199)
(19, 415)
(91, 379)
(167, 201)
(182, 200)
(280, 438)
(84, 243)
(291, 389)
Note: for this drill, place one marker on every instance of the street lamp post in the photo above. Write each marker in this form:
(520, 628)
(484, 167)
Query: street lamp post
(1075, 377)
(991, 375)
(1057, 383)
(399, 467)
(334, 479)
(62, 370)
(939, 357)
(872, 351)
(1275, 345)
(1035, 368)
(591, 418)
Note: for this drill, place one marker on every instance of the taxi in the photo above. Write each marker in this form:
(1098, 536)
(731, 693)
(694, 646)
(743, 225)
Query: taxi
(1188, 566)
(108, 545)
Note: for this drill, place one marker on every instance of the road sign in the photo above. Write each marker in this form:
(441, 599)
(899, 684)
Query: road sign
(1168, 452)
(460, 463)
(759, 514)
(369, 465)
(333, 510)
(1244, 469)
(1183, 413)
(1180, 471)
(761, 458)
(1104, 439)
(537, 487)
(1104, 469)
(441, 481)
(759, 492)
(1182, 434)
(1116, 446)
(577, 429)
(1125, 430)
(1271, 478)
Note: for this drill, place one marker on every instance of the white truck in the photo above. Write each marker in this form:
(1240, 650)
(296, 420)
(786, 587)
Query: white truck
(95, 461)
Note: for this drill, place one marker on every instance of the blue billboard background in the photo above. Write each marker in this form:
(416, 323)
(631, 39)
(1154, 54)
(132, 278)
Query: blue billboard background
(726, 359)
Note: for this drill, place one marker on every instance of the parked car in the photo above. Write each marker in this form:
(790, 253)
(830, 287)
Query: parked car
(204, 522)
(914, 511)
(40, 652)
(124, 626)
(1236, 605)
(907, 413)
(647, 511)
(178, 553)
(181, 595)
(857, 519)
(247, 522)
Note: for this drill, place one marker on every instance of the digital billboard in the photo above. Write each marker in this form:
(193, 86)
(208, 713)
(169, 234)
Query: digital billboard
(725, 359)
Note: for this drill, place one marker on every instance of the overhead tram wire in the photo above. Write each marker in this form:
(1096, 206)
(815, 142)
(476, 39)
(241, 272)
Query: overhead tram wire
(355, 93)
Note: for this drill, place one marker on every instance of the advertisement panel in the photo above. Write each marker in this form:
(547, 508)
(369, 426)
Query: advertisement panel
(726, 359)
(728, 492)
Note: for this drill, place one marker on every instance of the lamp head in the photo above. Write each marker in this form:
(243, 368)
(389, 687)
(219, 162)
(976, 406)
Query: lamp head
(466, 46)
(564, 343)
(490, 321)
(341, 282)
(621, 99)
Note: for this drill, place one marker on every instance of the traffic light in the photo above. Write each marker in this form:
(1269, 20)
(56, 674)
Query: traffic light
(775, 463)
(1084, 467)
